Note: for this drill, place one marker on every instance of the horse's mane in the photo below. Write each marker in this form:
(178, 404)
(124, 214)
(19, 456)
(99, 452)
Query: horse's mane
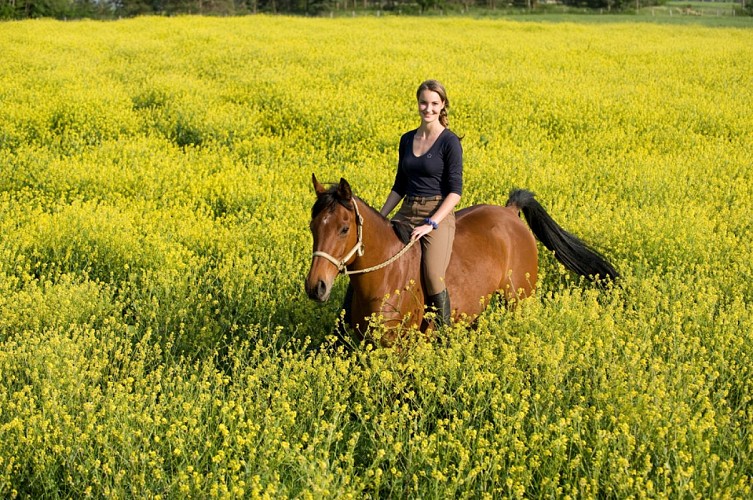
(327, 201)
(331, 197)
(402, 230)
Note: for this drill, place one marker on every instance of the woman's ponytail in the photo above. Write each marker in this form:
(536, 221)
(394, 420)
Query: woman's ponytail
(443, 117)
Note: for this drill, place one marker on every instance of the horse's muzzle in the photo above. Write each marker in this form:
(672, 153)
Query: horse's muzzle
(318, 290)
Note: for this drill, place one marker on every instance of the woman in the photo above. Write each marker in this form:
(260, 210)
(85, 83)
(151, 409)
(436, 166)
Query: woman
(429, 181)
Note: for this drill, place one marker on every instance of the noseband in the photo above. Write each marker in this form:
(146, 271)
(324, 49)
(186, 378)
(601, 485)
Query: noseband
(358, 248)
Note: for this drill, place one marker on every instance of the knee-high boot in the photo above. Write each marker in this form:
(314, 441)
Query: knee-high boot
(441, 302)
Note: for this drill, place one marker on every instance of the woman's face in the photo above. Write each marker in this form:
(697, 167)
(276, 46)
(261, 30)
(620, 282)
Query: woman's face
(429, 106)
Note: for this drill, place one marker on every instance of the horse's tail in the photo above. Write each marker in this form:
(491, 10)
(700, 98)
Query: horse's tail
(568, 249)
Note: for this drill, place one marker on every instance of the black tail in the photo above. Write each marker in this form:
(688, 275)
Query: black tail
(572, 252)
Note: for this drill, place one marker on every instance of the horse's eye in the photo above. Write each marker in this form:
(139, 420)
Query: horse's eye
(344, 230)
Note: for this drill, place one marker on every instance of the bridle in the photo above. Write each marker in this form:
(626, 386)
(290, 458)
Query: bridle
(358, 249)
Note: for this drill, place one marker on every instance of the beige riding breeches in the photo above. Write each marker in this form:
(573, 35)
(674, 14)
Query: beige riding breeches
(436, 246)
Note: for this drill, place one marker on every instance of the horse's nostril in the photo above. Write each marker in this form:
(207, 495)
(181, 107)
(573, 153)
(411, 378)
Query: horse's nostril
(318, 290)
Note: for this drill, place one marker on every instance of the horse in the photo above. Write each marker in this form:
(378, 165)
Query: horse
(494, 251)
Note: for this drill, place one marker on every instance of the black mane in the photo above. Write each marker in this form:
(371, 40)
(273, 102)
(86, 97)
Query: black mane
(402, 231)
(327, 201)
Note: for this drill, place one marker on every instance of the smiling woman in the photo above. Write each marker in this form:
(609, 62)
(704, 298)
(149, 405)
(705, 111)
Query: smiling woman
(429, 181)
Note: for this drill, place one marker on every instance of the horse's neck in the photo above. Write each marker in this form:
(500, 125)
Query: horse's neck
(379, 239)
(374, 289)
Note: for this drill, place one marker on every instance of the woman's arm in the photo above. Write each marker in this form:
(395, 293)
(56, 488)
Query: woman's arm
(392, 200)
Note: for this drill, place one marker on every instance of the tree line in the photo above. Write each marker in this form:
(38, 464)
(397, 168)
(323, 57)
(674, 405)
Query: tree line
(109, 9)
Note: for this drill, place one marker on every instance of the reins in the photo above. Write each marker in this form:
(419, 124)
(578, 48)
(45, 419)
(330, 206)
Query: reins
(383, 264)
(358, 248)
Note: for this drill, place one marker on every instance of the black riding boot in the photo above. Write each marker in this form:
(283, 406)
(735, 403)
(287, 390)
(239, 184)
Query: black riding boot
(441, 302)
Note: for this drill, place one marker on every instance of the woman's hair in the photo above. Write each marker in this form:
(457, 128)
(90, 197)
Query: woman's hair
(437, 87)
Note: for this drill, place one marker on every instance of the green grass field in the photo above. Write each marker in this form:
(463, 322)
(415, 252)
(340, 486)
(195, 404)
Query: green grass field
(155, 338)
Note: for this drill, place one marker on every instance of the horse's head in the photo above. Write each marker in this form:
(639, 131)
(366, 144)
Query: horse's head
(334, 226)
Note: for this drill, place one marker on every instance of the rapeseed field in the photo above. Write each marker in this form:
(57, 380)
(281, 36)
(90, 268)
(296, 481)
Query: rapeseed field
(155, 338)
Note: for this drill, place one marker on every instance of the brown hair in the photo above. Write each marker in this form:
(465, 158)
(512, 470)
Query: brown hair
(437, 87)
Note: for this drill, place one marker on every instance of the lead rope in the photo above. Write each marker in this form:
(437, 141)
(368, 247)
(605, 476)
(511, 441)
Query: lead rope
(383, 264)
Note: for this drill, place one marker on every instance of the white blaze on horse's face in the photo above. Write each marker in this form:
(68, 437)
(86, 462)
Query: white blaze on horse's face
(334, 233)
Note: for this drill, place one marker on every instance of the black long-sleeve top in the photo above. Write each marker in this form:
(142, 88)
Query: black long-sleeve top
(437, 172)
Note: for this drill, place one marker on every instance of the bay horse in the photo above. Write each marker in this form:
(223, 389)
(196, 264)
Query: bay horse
(493, 252)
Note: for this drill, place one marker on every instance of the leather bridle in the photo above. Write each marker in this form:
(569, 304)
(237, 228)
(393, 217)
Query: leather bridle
(358, 249)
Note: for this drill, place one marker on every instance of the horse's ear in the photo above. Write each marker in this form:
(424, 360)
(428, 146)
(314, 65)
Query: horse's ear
(344, 191)
(317, 186)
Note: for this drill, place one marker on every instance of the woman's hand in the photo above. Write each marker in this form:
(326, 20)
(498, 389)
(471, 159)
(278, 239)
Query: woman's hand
(421, 231)
(447, 206)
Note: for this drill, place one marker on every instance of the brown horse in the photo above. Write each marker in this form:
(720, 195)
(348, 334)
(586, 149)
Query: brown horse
(493, 251)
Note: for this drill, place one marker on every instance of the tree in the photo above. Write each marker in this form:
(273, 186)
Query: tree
(425, 5)
(610, 5)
